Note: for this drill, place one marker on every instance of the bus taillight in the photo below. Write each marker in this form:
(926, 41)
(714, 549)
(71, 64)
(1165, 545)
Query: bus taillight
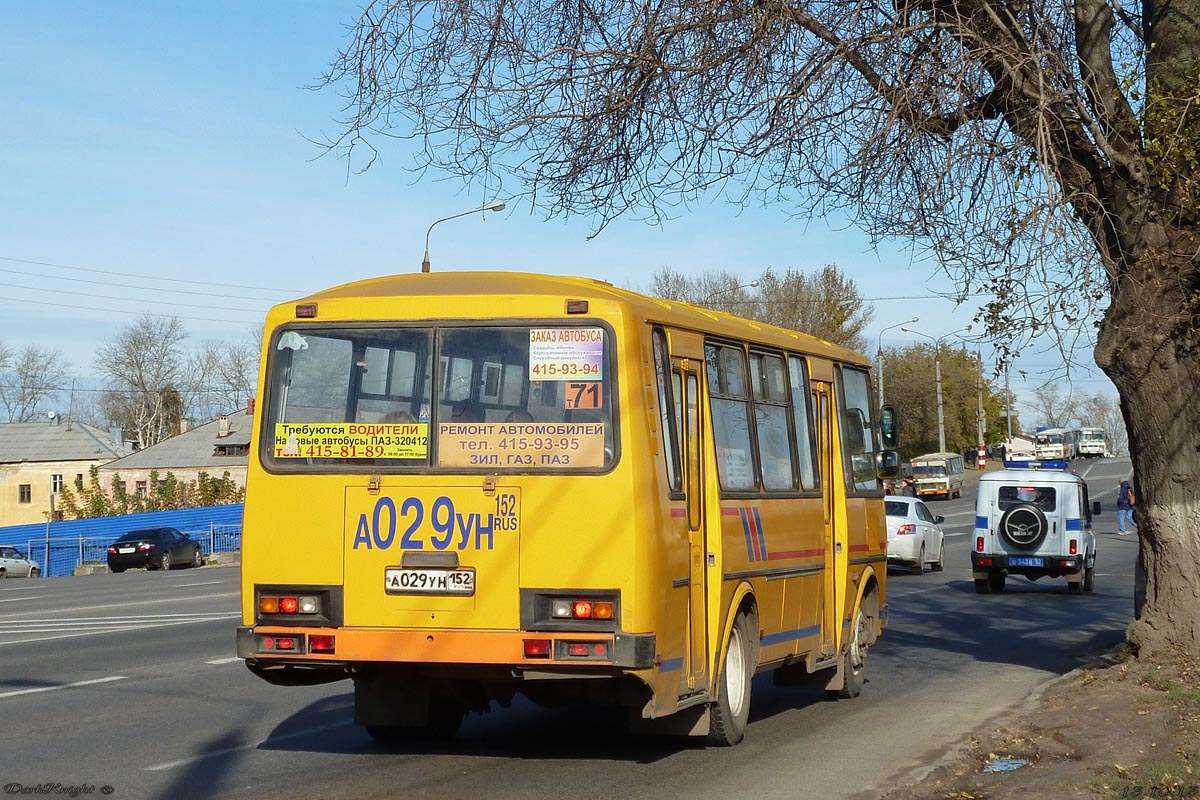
(537, 648)
(320, 643)
(978, 544)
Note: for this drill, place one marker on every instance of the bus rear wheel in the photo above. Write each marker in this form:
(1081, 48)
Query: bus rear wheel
(730, 713)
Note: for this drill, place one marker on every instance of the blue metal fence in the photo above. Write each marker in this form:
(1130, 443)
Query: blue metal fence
(69, 543)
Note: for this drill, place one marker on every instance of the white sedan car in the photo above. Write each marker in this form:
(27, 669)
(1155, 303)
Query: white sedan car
(914, 538)
(15, 564)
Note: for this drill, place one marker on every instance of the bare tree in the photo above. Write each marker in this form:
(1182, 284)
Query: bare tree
(144, 366)
(1048, 154)
(1053, 407)
(35, 375)
(825, 304)
(1103, 411)
(224, 376)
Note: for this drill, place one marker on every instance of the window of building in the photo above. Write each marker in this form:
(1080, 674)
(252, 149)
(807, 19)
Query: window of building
(56, 483)
(141, 488)
(26, 493)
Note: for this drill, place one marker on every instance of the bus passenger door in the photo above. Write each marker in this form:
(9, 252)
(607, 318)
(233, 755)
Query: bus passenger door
(832, 591)
(686, 380)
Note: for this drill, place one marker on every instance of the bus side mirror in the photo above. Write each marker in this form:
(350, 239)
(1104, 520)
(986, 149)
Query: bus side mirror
(889, 428)
(887, 464)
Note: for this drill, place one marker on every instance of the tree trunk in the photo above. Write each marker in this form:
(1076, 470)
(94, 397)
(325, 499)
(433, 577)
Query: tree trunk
(1152, 356)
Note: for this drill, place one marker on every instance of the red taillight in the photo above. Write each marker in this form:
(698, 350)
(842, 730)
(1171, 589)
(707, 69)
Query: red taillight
(905, 530)
(285, 642)
(582, 609)
(600, 649)
(984, 562)
(537, 648)
(978, 544)
(581, 650)
(288, 605)
(145, 546)
(268, 643)
(1073, 547)
(320, 643)
(112, 550)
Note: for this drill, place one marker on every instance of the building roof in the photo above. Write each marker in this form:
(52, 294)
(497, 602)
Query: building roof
(198, 448)
(34, 442)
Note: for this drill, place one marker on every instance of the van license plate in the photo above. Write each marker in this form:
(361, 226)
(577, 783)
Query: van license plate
(427, 580)
(1026, 562)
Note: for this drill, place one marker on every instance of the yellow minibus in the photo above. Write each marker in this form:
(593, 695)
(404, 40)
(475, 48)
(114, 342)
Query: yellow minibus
(465, 486)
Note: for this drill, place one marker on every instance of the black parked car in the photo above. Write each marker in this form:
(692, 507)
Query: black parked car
(154, 548)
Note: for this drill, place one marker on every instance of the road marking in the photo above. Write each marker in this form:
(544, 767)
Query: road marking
(92, 682)
(202, 583)
(216, 662)
(214, 753)
(133, 624)
(24, 588)
(15, 599)
(147, 602)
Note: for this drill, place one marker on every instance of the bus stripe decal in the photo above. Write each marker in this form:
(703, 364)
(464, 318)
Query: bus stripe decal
(762, 534)
(858, 548)
(789, 636)
(1073, 524)
(679, 512)
(751, 544)
(786, 554)
(670, 665)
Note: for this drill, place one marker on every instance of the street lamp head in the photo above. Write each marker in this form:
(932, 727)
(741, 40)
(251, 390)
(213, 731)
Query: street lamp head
(495, 205)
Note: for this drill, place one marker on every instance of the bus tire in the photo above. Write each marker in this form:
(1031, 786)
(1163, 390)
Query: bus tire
(730, 713)
(854, 662)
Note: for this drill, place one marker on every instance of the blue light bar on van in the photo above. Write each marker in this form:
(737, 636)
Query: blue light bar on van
(1035, 465)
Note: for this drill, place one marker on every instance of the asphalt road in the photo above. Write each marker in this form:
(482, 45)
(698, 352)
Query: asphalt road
(129, 681)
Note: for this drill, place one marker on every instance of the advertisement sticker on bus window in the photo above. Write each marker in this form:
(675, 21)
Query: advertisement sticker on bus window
(564, 354)
(351, 440)
(583, 395)
(521, 444)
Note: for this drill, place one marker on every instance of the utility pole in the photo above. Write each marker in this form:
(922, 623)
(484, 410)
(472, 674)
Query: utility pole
(980, 421)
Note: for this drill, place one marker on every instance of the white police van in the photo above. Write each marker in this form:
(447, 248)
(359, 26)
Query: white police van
(1032, 518)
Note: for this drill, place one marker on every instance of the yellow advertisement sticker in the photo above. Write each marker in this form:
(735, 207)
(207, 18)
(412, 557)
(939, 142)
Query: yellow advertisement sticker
(521, 444)
(351, 440)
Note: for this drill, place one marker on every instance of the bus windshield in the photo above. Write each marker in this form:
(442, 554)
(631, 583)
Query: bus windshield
(929, 470)
(518, 397)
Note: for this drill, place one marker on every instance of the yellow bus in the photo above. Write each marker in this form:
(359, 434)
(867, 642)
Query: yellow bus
(468, 486)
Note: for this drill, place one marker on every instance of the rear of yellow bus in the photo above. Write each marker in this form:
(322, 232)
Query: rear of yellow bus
(437, 506)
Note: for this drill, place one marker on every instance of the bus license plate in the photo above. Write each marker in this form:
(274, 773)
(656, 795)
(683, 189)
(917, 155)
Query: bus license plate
(1026, 562)
(429, 580)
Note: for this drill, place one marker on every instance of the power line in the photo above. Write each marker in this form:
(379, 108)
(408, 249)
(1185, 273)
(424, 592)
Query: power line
(141, 288)
(123, 311)
(111, 297)
(275, 289)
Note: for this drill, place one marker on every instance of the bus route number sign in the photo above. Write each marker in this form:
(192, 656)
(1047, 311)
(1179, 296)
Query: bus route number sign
(429, 580)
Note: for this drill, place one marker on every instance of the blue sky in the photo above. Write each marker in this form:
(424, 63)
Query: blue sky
(171, 141)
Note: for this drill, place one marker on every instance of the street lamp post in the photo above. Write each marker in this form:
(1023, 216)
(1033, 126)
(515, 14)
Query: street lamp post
(937, 376)
(879, 349)
(495, 205)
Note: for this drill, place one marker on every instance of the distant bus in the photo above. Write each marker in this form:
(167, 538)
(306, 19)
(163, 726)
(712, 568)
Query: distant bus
(939, 474)
(1058, 444)
(467, 486)
(1091, 443)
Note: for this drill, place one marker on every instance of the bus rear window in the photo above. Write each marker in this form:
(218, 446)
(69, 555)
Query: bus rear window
(460, 398)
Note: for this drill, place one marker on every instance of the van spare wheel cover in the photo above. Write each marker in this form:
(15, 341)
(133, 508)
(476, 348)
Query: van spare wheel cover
(1024, 526)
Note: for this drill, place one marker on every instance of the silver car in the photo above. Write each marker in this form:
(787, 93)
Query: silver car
(15, 564)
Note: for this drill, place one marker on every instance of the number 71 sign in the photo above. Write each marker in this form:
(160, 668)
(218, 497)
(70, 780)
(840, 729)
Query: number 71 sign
(583, 395)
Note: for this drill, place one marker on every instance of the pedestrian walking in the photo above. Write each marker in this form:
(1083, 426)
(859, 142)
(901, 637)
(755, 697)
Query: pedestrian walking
(910, 489)
(1125, 503)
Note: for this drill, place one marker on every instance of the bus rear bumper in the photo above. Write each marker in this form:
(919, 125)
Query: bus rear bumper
(336, 648)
